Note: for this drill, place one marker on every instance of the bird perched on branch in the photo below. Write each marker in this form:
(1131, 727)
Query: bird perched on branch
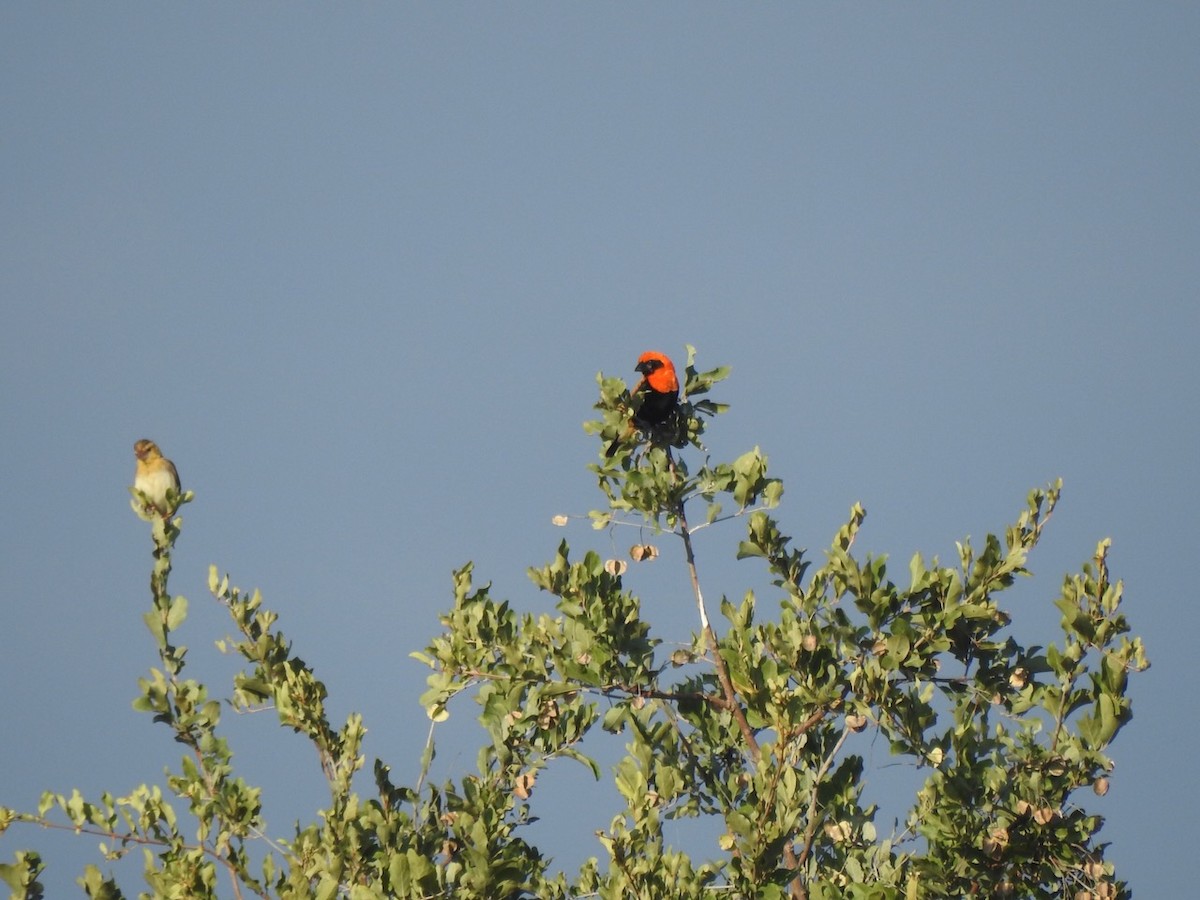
(659, 393)
(156, 478)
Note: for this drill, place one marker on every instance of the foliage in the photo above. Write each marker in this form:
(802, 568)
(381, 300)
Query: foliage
(754, 727)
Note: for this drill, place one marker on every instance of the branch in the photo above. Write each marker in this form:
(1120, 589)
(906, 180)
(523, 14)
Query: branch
(654, 694)
(134, 838)
(726, 518)
(810, 830)
(607, 690)
(731, 698)
(426, 760)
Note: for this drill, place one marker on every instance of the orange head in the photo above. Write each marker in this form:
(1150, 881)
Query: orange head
(658, 371)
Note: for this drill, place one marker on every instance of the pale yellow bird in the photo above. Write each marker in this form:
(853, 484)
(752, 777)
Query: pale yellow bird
(156, 478)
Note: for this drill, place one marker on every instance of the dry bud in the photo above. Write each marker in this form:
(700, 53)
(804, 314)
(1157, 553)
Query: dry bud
(615, 566)
(523, 786)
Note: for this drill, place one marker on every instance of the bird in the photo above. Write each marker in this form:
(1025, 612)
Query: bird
(659, 392)
(156, 478)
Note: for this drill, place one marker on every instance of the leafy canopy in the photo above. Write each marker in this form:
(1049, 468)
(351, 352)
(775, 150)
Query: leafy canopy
(756, 723)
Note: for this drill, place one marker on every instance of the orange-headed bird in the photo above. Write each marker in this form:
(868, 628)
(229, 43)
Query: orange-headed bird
(155, 477)
(659, 392)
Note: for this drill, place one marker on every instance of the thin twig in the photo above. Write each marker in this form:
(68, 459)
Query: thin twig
(811, 829)
(426, 761)
(260, 835)
(733, 704)
(736, 515)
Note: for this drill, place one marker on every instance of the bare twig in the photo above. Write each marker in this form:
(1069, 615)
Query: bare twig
(810, 830)
(426, 759)
(731, 699)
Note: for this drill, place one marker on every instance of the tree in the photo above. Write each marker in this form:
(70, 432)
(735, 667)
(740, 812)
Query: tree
(753, 724)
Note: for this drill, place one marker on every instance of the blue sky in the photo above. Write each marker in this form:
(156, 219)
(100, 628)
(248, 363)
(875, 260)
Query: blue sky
(355, 268)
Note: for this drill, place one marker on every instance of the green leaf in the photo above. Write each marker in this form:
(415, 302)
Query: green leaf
(177, 613)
